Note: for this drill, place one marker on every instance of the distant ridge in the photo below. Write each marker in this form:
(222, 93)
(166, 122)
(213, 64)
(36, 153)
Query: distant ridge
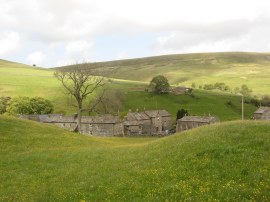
(234, 68)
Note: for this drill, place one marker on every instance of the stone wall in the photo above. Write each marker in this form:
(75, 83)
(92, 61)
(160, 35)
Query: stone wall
(181, 126)
(265, 116)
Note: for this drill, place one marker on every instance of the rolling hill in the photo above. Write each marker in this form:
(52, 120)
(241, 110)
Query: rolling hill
(232, 68)
(226, 162)
(22, 80)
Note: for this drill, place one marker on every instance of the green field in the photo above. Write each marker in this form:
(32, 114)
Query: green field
(223, 162)
(21, 80)
(232, 68)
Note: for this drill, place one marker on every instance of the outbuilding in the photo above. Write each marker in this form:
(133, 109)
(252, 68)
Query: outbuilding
(189, 122)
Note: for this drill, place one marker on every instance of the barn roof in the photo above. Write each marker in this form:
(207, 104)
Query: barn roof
(262, 110)
(201, 119)
(155, 113)
(138, 116)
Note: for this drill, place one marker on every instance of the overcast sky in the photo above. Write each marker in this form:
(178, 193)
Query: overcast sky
(59, 32)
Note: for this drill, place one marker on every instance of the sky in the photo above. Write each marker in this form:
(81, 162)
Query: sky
(52, 33)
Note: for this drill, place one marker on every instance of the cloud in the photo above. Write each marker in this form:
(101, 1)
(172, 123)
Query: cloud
(69, 30)
(232, 35)
(76, 52)
(122, 55)
(36, 58)
(9, 42)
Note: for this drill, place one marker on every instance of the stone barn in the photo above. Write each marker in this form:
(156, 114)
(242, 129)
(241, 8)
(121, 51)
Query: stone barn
(263, 113)
(147, 122)
(137, 123)
(161, 121)
(189, 122)
(106, 125)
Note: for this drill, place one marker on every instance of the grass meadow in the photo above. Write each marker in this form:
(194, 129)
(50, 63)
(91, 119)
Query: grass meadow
(22, 80)
(223, 162)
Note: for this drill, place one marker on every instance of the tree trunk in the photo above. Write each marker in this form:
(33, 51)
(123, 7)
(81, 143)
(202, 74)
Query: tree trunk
(79, 120)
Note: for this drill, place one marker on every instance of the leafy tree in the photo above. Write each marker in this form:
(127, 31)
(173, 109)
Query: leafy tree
(245, 91)
(41, 106)
(3, 104)
(193, 85)
(221, 86)
(26, 105)
(160, 84)
(80, 82)
(265, 101)
(181, 113)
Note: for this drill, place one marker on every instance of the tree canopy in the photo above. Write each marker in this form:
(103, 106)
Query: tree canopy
(160, 84)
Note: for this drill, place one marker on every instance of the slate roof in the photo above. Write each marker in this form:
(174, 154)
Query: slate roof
(138, 116)
(262, 110)
(155, 113)
(132, 123)
(200, 119)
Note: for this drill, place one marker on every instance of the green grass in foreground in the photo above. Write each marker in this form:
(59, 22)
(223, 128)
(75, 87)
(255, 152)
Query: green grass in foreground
(226, 162)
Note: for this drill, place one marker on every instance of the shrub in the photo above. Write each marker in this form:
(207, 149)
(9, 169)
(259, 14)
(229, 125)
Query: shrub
(181, 113)
(208, 87)
(26, 105)
(3, 104)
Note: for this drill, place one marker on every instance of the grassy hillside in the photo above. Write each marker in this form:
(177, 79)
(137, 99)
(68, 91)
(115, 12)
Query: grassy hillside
(203, 103)
(21, 80)
(226, 162)
(234, 69)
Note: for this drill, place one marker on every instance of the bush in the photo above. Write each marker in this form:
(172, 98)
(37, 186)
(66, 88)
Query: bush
(3, 104)
(265, 101)
(26, 105)
(181, 113)
(40, 106)
(208, 87)
(219, 86)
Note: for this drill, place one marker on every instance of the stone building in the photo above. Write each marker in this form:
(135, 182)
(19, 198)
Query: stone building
(263, 113)
(179, 90)
(137, 123)
(106, 125)
(189, 122)
(147, 122)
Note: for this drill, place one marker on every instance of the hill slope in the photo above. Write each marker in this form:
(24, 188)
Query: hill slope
(22, 80)
(228, 162)
(233, 68)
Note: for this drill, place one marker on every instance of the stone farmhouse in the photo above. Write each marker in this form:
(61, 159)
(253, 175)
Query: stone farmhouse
(106, 125)
(135, 123)
(147, 122)
(189, 122)
(263, 113)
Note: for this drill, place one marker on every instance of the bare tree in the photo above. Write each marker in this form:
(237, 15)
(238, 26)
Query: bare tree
(80, 82)
(110, 101)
